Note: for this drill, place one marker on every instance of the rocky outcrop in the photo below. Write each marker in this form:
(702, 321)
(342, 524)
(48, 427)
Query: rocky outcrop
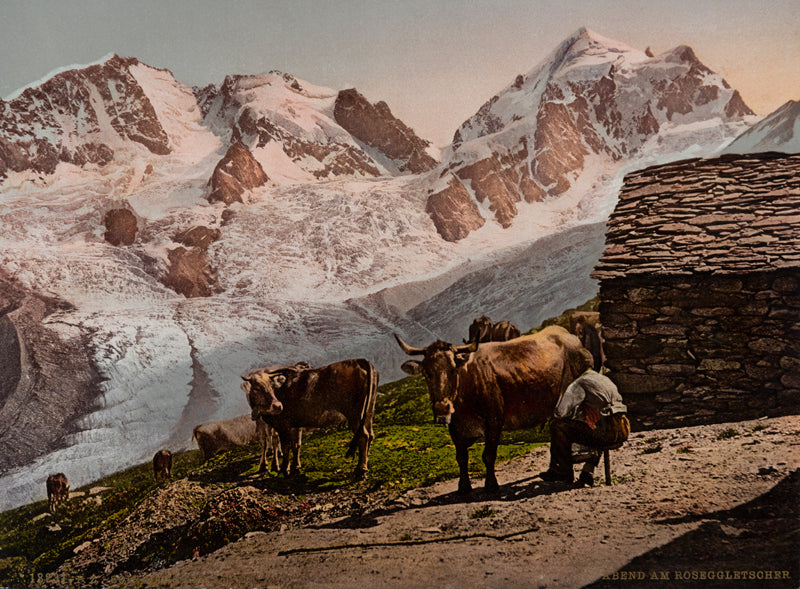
(199, 236)
(375, 126)
(47, 377)
(236, 173)
(454, 212)
(70, 117)
(120, 226)
(190, 272)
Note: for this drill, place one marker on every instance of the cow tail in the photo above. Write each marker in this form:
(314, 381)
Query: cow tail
(367, 408)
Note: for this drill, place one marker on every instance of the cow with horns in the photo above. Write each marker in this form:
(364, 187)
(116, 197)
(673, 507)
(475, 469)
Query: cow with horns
(481, 389)
(292, 397)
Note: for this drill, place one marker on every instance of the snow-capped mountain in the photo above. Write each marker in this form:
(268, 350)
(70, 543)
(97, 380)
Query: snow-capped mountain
(304, 133)
(591, 106)
(160, 240)
(778, 131)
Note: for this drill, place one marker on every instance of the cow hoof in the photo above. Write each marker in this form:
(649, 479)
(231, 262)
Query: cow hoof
(492, 489)
(360, 474)
(464, 489)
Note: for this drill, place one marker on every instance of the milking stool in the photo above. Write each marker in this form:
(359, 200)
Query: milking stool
(581, 453)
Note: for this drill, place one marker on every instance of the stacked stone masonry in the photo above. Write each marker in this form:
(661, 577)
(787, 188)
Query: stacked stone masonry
(700, 291)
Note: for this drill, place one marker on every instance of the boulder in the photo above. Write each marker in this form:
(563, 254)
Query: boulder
(121, 226)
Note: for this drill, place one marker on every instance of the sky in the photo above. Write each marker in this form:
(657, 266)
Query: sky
(434, 62)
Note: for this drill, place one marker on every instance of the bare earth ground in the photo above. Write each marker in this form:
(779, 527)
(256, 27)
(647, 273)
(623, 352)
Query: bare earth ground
(722, 511)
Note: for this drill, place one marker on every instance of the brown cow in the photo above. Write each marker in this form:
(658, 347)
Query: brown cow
(57, 490)
(294, 397)
(215, 436)
(481, 389)
(162, 464)
(586, 325)
(480, 330)
(504, 331)
(483, 330)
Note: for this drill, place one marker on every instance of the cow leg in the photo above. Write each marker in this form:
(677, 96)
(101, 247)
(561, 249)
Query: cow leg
(262, 463)
(286, 444)
(489, 459)
(363, 457)
(365, 437)
(296, 440)
(462, 457)
(276, 452)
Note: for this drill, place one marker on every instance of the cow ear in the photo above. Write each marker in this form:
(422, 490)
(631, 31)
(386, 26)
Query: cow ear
(461, 359)
(411, 367)
(279, 380)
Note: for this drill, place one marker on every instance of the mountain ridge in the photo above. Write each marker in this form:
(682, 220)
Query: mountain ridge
(336, 249)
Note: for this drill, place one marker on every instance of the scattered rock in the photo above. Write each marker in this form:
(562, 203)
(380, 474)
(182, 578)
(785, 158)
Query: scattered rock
(121, 227)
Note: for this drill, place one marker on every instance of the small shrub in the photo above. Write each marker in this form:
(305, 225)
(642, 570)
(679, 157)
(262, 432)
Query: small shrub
(727, 434)
(483, 512)
(758, 427)
(685, 450)
(652, 449)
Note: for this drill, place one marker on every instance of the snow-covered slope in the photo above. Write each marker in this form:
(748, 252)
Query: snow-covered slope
(778, 131)
(336, 250)
(574, 121)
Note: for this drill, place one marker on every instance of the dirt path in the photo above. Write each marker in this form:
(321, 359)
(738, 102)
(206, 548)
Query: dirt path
(704, 505)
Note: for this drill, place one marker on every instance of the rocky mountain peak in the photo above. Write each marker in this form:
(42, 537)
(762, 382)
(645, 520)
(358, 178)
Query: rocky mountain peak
(593, 99)
(79, 116)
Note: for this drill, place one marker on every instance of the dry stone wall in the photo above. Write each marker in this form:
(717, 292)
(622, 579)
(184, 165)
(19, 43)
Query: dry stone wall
(694, 349)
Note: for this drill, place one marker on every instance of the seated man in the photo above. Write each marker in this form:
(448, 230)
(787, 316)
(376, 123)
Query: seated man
(589, 412)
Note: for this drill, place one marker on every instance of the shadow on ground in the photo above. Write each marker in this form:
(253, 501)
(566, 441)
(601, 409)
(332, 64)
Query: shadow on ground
(756, 544)
(521, 489)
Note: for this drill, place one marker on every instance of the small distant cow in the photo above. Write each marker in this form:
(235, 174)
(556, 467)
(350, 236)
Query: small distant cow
(162, 464)
(57, 490)
(484, 330)
(214, 437)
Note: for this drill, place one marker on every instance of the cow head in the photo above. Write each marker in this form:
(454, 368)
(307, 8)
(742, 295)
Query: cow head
(480, 330)
(440, 365)
(261, 387)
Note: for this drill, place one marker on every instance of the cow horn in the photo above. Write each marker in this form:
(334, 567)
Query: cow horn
(408, 349)
(470, 347)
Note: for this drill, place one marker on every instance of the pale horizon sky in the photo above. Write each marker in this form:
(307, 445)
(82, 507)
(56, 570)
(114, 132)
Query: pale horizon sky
(433, 62)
